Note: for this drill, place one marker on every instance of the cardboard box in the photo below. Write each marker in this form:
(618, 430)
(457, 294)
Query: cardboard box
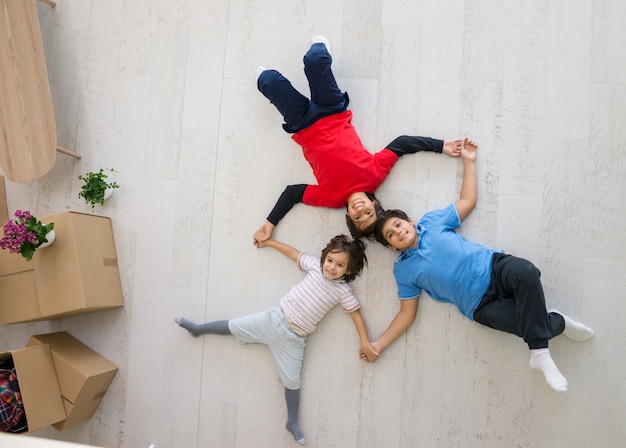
(78, 273)
(38, 385)
(83, 375)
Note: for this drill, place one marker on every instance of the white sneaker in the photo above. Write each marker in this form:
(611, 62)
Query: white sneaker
(323, 40)
(259, 70)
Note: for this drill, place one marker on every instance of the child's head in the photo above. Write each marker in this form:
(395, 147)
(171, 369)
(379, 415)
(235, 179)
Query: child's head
(343, 258)
(362, 209)
(395, 230)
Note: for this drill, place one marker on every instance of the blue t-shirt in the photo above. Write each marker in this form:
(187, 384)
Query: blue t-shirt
(444, 264)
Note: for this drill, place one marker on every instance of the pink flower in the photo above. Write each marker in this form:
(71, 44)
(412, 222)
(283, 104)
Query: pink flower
(25, 234)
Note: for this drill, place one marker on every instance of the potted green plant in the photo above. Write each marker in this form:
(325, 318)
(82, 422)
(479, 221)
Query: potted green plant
(25, 234)
(96, 188)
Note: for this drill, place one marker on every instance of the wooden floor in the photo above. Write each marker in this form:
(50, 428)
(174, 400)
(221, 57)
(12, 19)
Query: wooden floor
(164, 92)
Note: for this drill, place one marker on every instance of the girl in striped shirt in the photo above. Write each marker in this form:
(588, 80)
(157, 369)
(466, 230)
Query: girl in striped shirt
(285, 327)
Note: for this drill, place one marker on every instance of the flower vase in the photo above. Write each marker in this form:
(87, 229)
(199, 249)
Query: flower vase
(50, 236)
(107, 193)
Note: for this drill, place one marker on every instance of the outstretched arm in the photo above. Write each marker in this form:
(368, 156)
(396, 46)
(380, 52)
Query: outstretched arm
(469, 188)
(366, 352)
(289, 197)
(283, 248)
(407, 144)
(400, 323)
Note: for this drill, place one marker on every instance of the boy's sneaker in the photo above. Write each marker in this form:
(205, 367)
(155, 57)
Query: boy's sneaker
(259, 70)
(323, 40)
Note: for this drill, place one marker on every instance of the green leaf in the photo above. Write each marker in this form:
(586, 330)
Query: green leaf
(27, 250)
(92, 191)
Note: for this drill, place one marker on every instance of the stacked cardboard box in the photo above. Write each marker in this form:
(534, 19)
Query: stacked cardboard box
(78, 273)
(62, 381)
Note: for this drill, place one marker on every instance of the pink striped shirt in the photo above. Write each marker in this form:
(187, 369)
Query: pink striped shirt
(309, 301)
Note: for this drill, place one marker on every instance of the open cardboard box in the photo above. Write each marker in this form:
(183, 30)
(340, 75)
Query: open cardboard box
(62, 381)
(83, 375)
(38, 385)
(78, 273)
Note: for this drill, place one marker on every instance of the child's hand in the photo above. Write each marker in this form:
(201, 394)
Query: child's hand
(452, 148)
(367, 353)
(259, 240)
(263, 233)
(468, 149)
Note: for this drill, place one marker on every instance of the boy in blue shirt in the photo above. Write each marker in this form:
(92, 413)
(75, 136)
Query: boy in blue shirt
(490, 287)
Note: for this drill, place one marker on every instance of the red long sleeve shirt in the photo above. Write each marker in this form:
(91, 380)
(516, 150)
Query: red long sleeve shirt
(340, 162)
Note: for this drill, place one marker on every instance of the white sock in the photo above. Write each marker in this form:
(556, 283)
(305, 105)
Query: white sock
(323, 40)
(259, 70)
(575, 330)
(541, 360)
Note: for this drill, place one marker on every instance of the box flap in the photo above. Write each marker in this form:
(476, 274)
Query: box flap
(86, 404)
(19, 301)
(95, 249)
(13, 263)
(76, 364)
(65, 424)
(57, 270)
(38, 386)
(79, 271)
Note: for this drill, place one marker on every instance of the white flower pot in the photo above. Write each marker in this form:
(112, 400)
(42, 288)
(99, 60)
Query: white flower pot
(107, 193)
(50, 236)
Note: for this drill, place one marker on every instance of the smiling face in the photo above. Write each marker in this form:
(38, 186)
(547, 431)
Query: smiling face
(361, 210)
(335, 265)
(399, 233)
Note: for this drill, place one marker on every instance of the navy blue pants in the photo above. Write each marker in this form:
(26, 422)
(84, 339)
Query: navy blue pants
(298, 111)
(514, 302)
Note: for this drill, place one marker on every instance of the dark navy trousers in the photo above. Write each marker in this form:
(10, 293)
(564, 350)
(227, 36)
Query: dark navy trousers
(514, 302)
(298, 111)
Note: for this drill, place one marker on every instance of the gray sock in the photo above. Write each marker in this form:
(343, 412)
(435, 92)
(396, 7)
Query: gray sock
(292, 397)
(216, 327)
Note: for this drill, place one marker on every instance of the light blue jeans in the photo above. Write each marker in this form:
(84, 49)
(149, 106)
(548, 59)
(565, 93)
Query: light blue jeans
(271, 328)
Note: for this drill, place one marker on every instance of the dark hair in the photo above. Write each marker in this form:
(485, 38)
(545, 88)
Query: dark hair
(368, 232)
(355, 249)
(382, 218)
